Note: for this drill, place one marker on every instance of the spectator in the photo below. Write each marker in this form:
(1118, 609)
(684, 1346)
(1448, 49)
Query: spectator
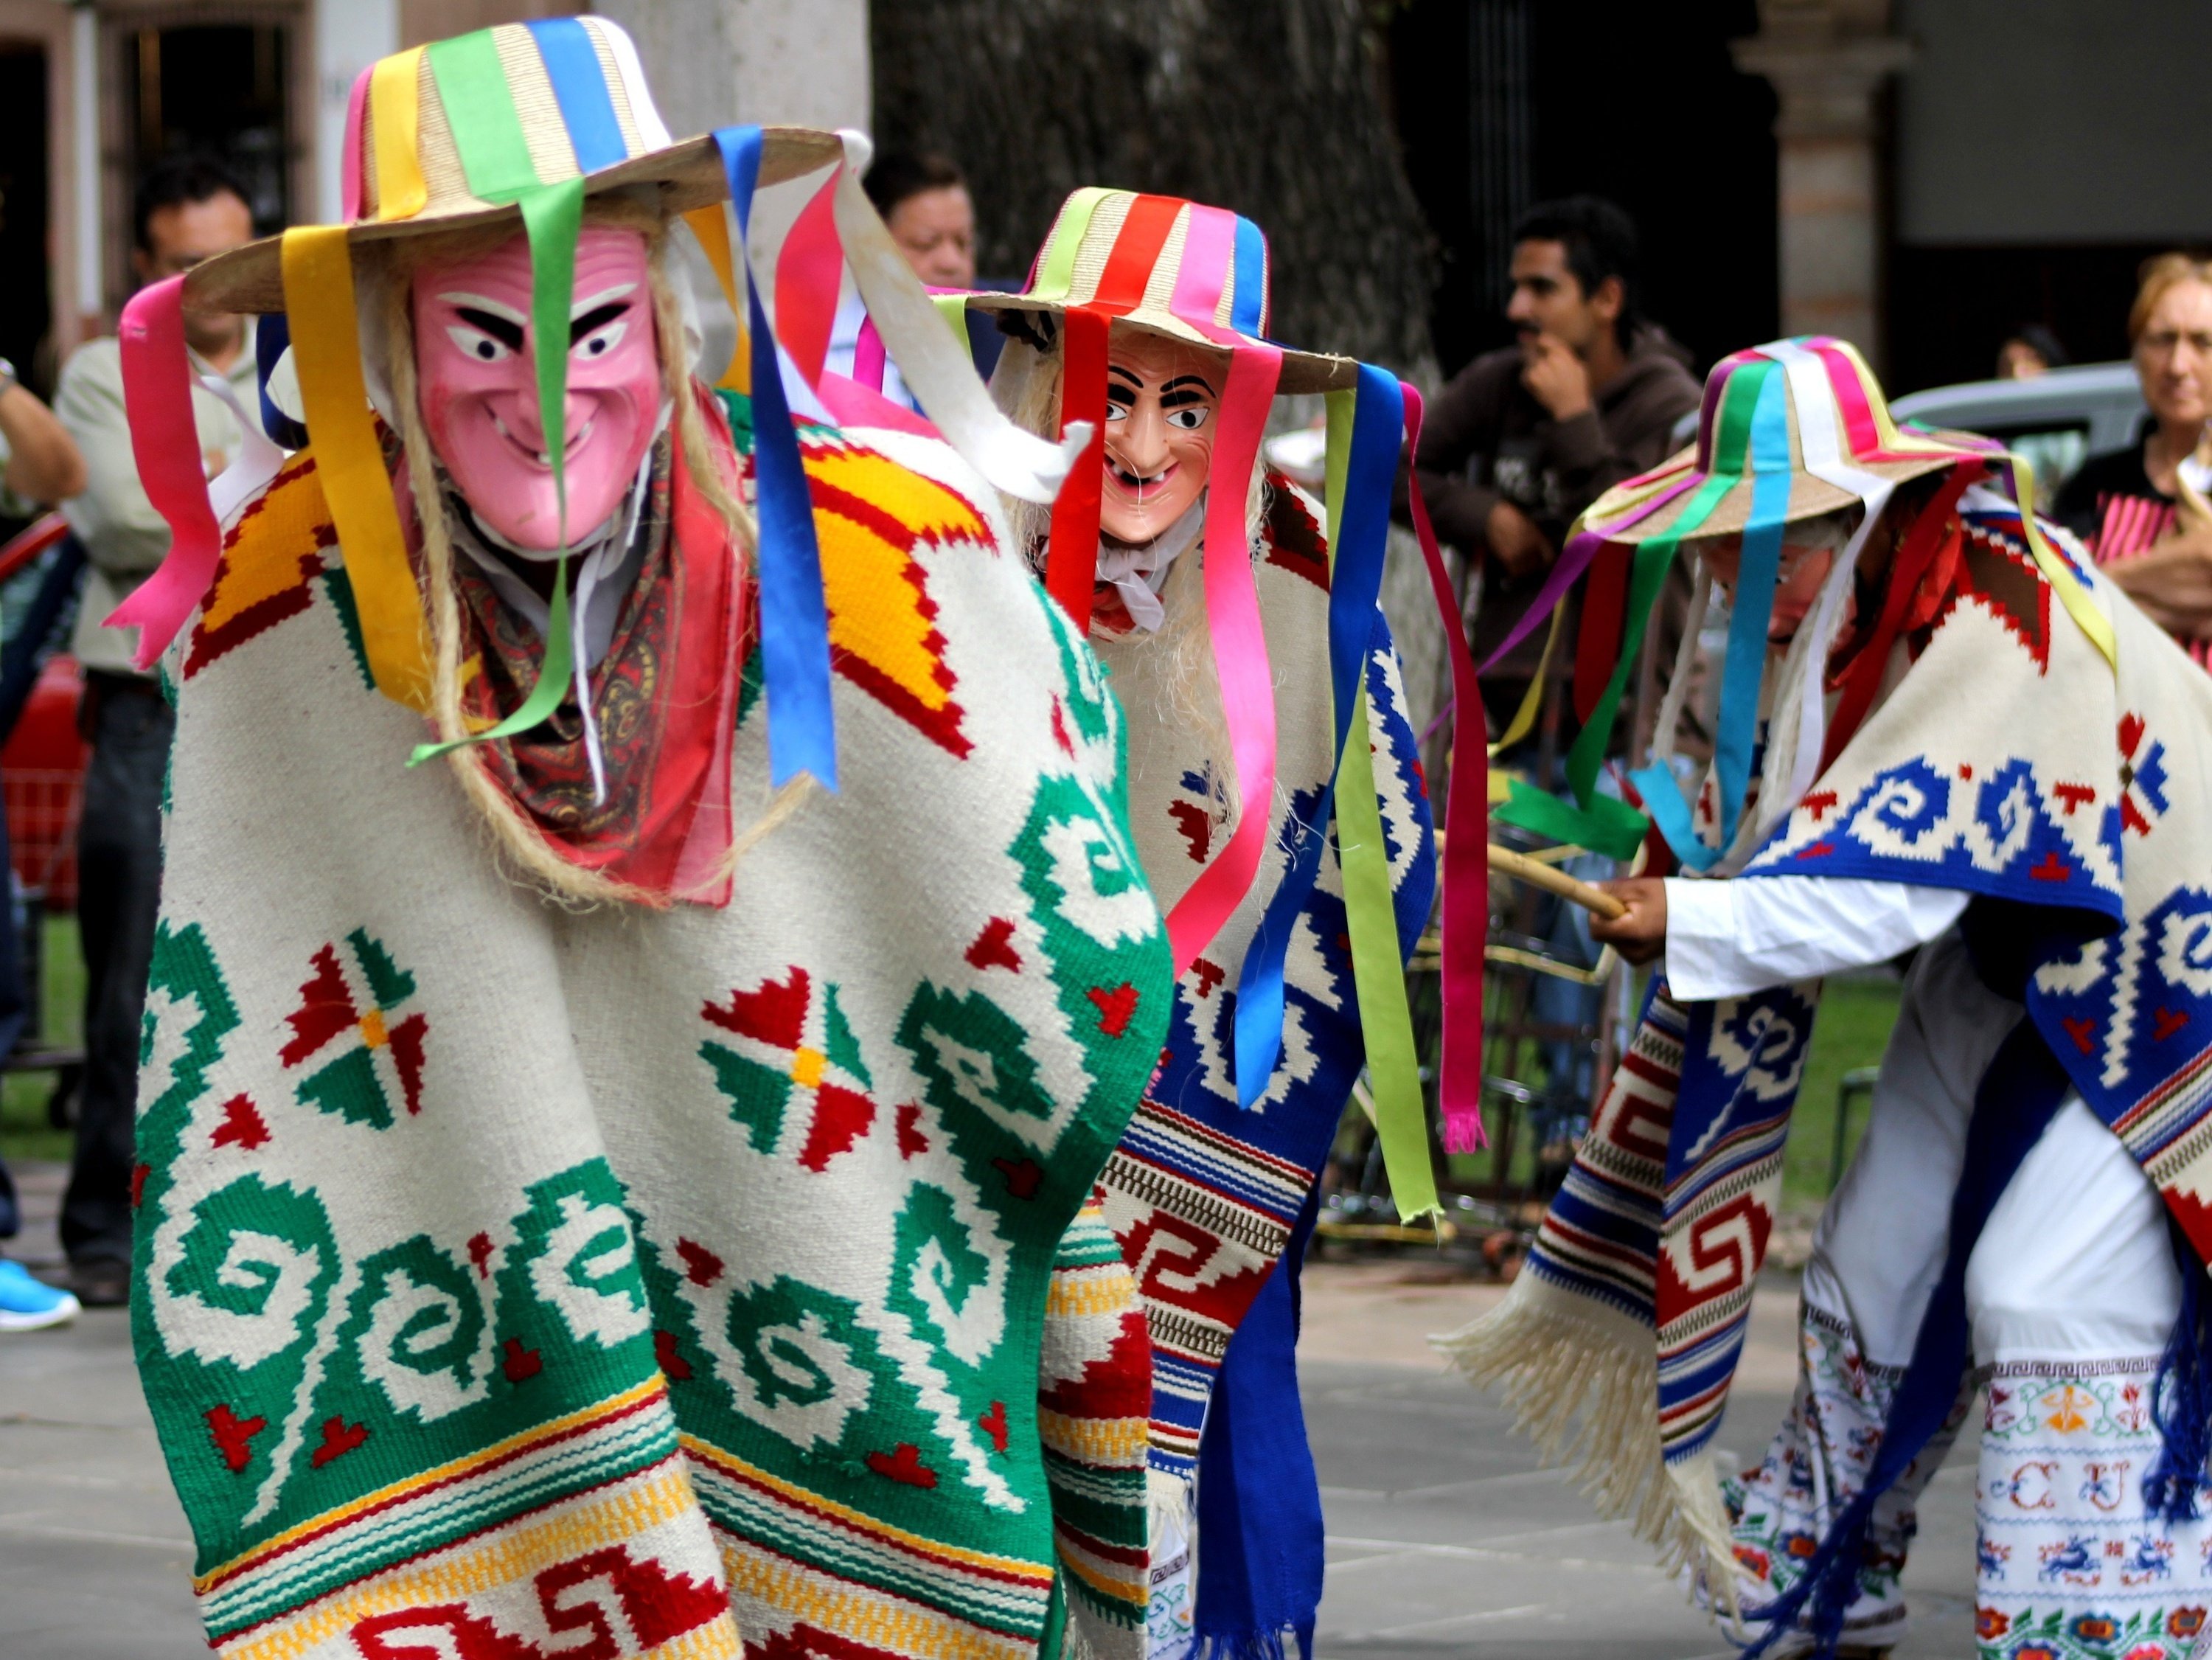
(2126, 505)
(186, 211)
(2029, 350)
(925, 205)
(1524, 438)
(924, 202)
(38, 466)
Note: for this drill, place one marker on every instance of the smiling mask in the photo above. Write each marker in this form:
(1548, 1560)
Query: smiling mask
(474, 350)
(1161, 398)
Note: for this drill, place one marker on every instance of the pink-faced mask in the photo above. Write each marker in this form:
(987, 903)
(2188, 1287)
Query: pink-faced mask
(1161, 396)
(475, 363)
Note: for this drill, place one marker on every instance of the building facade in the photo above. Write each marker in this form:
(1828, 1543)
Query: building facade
(94, 93)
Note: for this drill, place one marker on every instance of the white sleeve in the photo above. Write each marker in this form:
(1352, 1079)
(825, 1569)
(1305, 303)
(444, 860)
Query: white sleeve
(1726, 938)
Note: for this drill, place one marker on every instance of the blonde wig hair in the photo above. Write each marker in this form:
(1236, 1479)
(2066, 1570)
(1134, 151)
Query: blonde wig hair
(518, 839)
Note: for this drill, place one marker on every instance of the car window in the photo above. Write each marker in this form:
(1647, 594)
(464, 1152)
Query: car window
(2055, 452)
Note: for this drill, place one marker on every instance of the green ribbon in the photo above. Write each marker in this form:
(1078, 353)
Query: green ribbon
(554, 674)
(1598, 821)
(479, 106)
(1378, 971)
(1370, 915)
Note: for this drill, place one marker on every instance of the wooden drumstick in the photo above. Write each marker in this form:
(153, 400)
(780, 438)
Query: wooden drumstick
(1595, 900)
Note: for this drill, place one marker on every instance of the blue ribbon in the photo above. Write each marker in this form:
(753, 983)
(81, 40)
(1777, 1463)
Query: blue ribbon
(802, 735)
(1744, 666)
(1355, 586)
(272, 337)
(580, 87)
(1248, 272)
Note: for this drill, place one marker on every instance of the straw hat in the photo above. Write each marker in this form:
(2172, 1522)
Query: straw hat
(1158, 263)
(1823, 421)
(461, 132)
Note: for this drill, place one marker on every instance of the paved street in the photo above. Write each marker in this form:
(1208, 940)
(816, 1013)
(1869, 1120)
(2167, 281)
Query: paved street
(1446, 1542)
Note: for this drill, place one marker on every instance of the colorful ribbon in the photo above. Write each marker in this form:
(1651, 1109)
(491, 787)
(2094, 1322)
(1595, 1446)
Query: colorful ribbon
(1464, 909)
(1744, 666)
(807, 269)
(318, 296)
(1363, 467)
(1364, 463)
(1240, 654)
(794, 613)
(157, 391)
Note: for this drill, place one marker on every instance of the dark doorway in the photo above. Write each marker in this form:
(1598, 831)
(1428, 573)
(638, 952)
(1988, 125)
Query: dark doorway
(1950, 308)
(216, 91)
(1498, 99)
(26, 300)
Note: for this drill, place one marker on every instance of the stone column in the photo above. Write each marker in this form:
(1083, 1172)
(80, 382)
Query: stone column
(791, 63)
(1827, 60)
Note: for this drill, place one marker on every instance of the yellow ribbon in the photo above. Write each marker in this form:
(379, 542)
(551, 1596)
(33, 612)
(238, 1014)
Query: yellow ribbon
(394, 94)
(326, 351)
(711, 225)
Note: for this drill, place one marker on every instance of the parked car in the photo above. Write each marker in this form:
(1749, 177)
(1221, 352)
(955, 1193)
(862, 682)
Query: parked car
(2058, 420)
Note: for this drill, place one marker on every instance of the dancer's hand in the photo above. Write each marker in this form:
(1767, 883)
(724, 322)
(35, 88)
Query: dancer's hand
(1640, 936)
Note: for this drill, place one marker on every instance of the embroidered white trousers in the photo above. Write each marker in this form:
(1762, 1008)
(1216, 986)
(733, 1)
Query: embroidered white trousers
(2071, 1290)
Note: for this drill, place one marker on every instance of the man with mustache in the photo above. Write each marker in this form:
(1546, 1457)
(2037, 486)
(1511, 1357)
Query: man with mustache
(1524, 438)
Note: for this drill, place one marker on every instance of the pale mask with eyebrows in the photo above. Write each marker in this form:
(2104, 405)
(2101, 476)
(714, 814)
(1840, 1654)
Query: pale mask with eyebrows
(476, 356)
(1161, 397)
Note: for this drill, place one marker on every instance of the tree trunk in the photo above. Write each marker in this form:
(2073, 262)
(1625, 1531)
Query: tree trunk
(1272, 107)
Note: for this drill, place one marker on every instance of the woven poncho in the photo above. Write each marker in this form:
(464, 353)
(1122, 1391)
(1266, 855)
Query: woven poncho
(515, 1281)
(1202, 1193)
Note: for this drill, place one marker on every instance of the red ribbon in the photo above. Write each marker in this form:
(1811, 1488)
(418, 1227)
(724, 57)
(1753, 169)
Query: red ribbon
(1464, 909)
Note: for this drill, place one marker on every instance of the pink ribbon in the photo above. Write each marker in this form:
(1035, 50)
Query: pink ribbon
(349, 189)
(868, 355)
(1571, 564)
(1464, 912)
(157, 391)
(1209, 247)
(1240, 654)
(854, 405)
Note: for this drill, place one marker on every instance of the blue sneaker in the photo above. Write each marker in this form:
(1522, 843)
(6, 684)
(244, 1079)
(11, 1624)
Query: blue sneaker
(26, 1304)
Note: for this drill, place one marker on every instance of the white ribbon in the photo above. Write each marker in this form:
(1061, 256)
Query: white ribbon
(1820, 442)
(936, 365)
(258, 458)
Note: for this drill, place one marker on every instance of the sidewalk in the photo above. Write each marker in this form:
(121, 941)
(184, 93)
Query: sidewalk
(95, 1559)
(1446, 1542)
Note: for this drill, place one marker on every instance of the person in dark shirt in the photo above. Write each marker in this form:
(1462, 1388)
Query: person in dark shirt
(2127, 506)
(1524, 438)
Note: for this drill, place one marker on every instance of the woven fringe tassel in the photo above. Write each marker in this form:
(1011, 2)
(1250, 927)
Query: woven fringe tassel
(1249, 1645)
(1075, 1643)
(1701, 1540)
(1583, 1383)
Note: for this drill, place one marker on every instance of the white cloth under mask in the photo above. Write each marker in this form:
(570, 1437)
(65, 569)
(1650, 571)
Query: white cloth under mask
(607, 562)
(1802, 710)
(1139, 573)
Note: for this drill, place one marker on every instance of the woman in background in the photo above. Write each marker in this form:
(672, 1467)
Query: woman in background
(2128, 507)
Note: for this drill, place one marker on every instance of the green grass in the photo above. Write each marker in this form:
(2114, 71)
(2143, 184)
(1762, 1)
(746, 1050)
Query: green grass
(24, 1133)
(1852, 1028)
